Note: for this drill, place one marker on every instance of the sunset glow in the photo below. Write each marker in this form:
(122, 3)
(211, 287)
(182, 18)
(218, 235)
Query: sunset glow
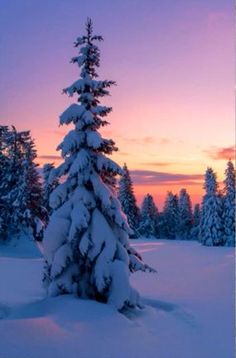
(173, 106)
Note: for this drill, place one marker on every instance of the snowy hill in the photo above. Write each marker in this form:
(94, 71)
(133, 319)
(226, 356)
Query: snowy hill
(188, 313)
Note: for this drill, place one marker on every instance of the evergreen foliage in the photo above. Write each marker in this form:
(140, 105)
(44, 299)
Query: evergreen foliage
(229, 205)
(170, 216)
(20, 191)
(211, 225)
(128, 201)
(149, 217)
(196, 222)
(49, 184)
(185, 215)
(86, 242)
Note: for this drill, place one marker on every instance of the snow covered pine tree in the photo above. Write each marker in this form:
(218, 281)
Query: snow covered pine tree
(149, 217)
(194, 234)
(185, 215)
(229, 205)
(171, 217)
(211, 225)
(128, 201)
(86, 242)
(48, 185)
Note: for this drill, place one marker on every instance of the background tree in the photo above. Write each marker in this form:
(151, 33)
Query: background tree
(4, 180)
(229, 205)
(170, 216)
(211, 225)
(149, 217)
(86, 242)
(128, 201)
(49, 184)
(185, 215)
(196, 222)
(20, 187)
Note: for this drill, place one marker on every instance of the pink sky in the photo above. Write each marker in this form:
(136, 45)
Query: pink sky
(173, 106)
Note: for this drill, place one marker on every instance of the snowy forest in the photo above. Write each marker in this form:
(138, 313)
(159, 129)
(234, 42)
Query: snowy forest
(25, 204)
(87, 272)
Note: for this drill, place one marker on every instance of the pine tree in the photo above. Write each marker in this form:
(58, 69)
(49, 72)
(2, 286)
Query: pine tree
(128, 201)
(185, 215)
(23, 197)
(34, 213)
(196, 222)
(86, 242)
(229, 205)
(149, 217)
(211, 226)
(170, 216)
(4, 179)
(49, 184)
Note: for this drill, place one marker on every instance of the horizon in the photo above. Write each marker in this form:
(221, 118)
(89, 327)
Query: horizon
(174, 90)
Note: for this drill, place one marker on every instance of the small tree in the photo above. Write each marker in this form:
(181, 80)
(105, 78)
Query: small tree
(128, 200)
(196, 222)
(86, 242)
(171, 216)
(229, 205)
(49, 184)
(185, 215)
(211, 226)
(149, 217)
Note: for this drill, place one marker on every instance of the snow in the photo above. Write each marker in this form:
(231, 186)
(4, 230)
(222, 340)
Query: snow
(188, 312)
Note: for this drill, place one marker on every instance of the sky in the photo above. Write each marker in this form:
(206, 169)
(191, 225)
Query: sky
(173, 61)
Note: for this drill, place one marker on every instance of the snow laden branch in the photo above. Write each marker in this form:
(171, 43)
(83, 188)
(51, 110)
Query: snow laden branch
(86, 243)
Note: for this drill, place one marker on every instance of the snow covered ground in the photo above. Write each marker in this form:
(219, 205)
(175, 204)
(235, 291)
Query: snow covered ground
(189, 309)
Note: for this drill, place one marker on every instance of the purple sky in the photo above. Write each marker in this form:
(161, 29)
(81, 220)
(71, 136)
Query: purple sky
(174, 65)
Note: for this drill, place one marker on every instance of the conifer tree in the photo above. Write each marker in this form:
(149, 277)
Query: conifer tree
(211, 226)
(4, 179)
(128, 200)
(171, 216)
(149, 217)
(229, 205)
(86, 242)
(196, 222)
(49, 184)
(185, 215)
(23, 198)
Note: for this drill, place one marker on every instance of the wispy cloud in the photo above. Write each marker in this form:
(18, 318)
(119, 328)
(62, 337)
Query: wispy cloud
(224, 153)
(150, 177)
(50, 157)
(158, 164)
(143, 140)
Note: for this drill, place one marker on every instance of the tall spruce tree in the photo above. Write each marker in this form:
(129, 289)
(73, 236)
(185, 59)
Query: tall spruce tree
(211, 225)
(229, 205)
(185, 215)
(86, 242)
(149, 217)
(128, 201)
(170, 217)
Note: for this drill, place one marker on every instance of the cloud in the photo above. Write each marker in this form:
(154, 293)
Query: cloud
(224, 153)
(158, 164)
(144, 140)
(50, 157)
(149, 177)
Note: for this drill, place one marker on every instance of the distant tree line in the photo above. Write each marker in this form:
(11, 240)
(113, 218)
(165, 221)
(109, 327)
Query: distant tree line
(212, 223)
(25, 199)
(21, 192)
